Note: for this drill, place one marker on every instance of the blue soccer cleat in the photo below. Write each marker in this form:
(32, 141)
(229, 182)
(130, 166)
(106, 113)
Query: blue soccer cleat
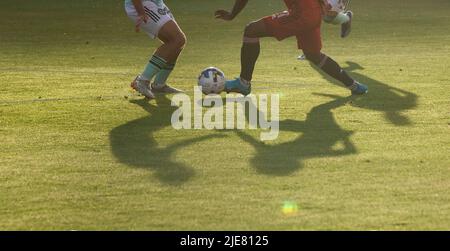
(359, 89)
(237, 86)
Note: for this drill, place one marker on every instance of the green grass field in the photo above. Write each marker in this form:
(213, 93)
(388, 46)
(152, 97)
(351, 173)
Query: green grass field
(80, 151)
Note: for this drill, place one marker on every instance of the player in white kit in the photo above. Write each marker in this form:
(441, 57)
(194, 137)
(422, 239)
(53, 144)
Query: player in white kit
(335, 12)
(156, 19)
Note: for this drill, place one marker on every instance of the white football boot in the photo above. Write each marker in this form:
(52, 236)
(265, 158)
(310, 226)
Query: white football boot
(143, 87)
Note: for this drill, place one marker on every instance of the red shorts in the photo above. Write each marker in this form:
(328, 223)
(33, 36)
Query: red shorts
(305, 25)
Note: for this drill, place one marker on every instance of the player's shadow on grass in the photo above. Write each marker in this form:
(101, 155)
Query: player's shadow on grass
(318, 136)
(134, 143)
(382, 97)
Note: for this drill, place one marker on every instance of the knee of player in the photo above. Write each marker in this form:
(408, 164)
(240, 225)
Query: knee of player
(250, 30)
(180, 41)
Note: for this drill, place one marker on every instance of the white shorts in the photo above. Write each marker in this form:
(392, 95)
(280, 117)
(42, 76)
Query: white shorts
(158, 17)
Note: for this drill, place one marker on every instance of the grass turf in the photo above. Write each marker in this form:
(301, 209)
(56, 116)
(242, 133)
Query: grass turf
(80, 151)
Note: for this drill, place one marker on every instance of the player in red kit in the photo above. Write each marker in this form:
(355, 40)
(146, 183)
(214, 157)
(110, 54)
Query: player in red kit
(303, 20)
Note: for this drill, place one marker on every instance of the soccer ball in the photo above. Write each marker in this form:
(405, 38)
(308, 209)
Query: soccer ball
(212, 80)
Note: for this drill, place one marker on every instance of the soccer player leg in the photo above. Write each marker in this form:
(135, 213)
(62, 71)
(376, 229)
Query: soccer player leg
(344, 19)
(334, 11)
(142, 81)
(173, 40)
(162, 25)
(335, 14)
(249, 55)
(346, 26)
(310, 42)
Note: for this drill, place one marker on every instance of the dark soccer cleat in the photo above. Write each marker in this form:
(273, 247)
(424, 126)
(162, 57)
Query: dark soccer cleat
(346, 28)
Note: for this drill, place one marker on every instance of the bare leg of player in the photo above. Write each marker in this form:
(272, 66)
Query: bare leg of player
(162, 62)
(174, 41)
(249, 55)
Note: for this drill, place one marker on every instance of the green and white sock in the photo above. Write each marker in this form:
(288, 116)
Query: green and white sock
(341, 18)
(163, 75)
(155, 65)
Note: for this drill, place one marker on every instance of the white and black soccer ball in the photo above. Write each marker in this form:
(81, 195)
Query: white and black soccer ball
(212, 80)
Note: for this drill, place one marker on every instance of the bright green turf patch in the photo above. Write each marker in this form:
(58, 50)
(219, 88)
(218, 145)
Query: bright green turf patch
(80, 151)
